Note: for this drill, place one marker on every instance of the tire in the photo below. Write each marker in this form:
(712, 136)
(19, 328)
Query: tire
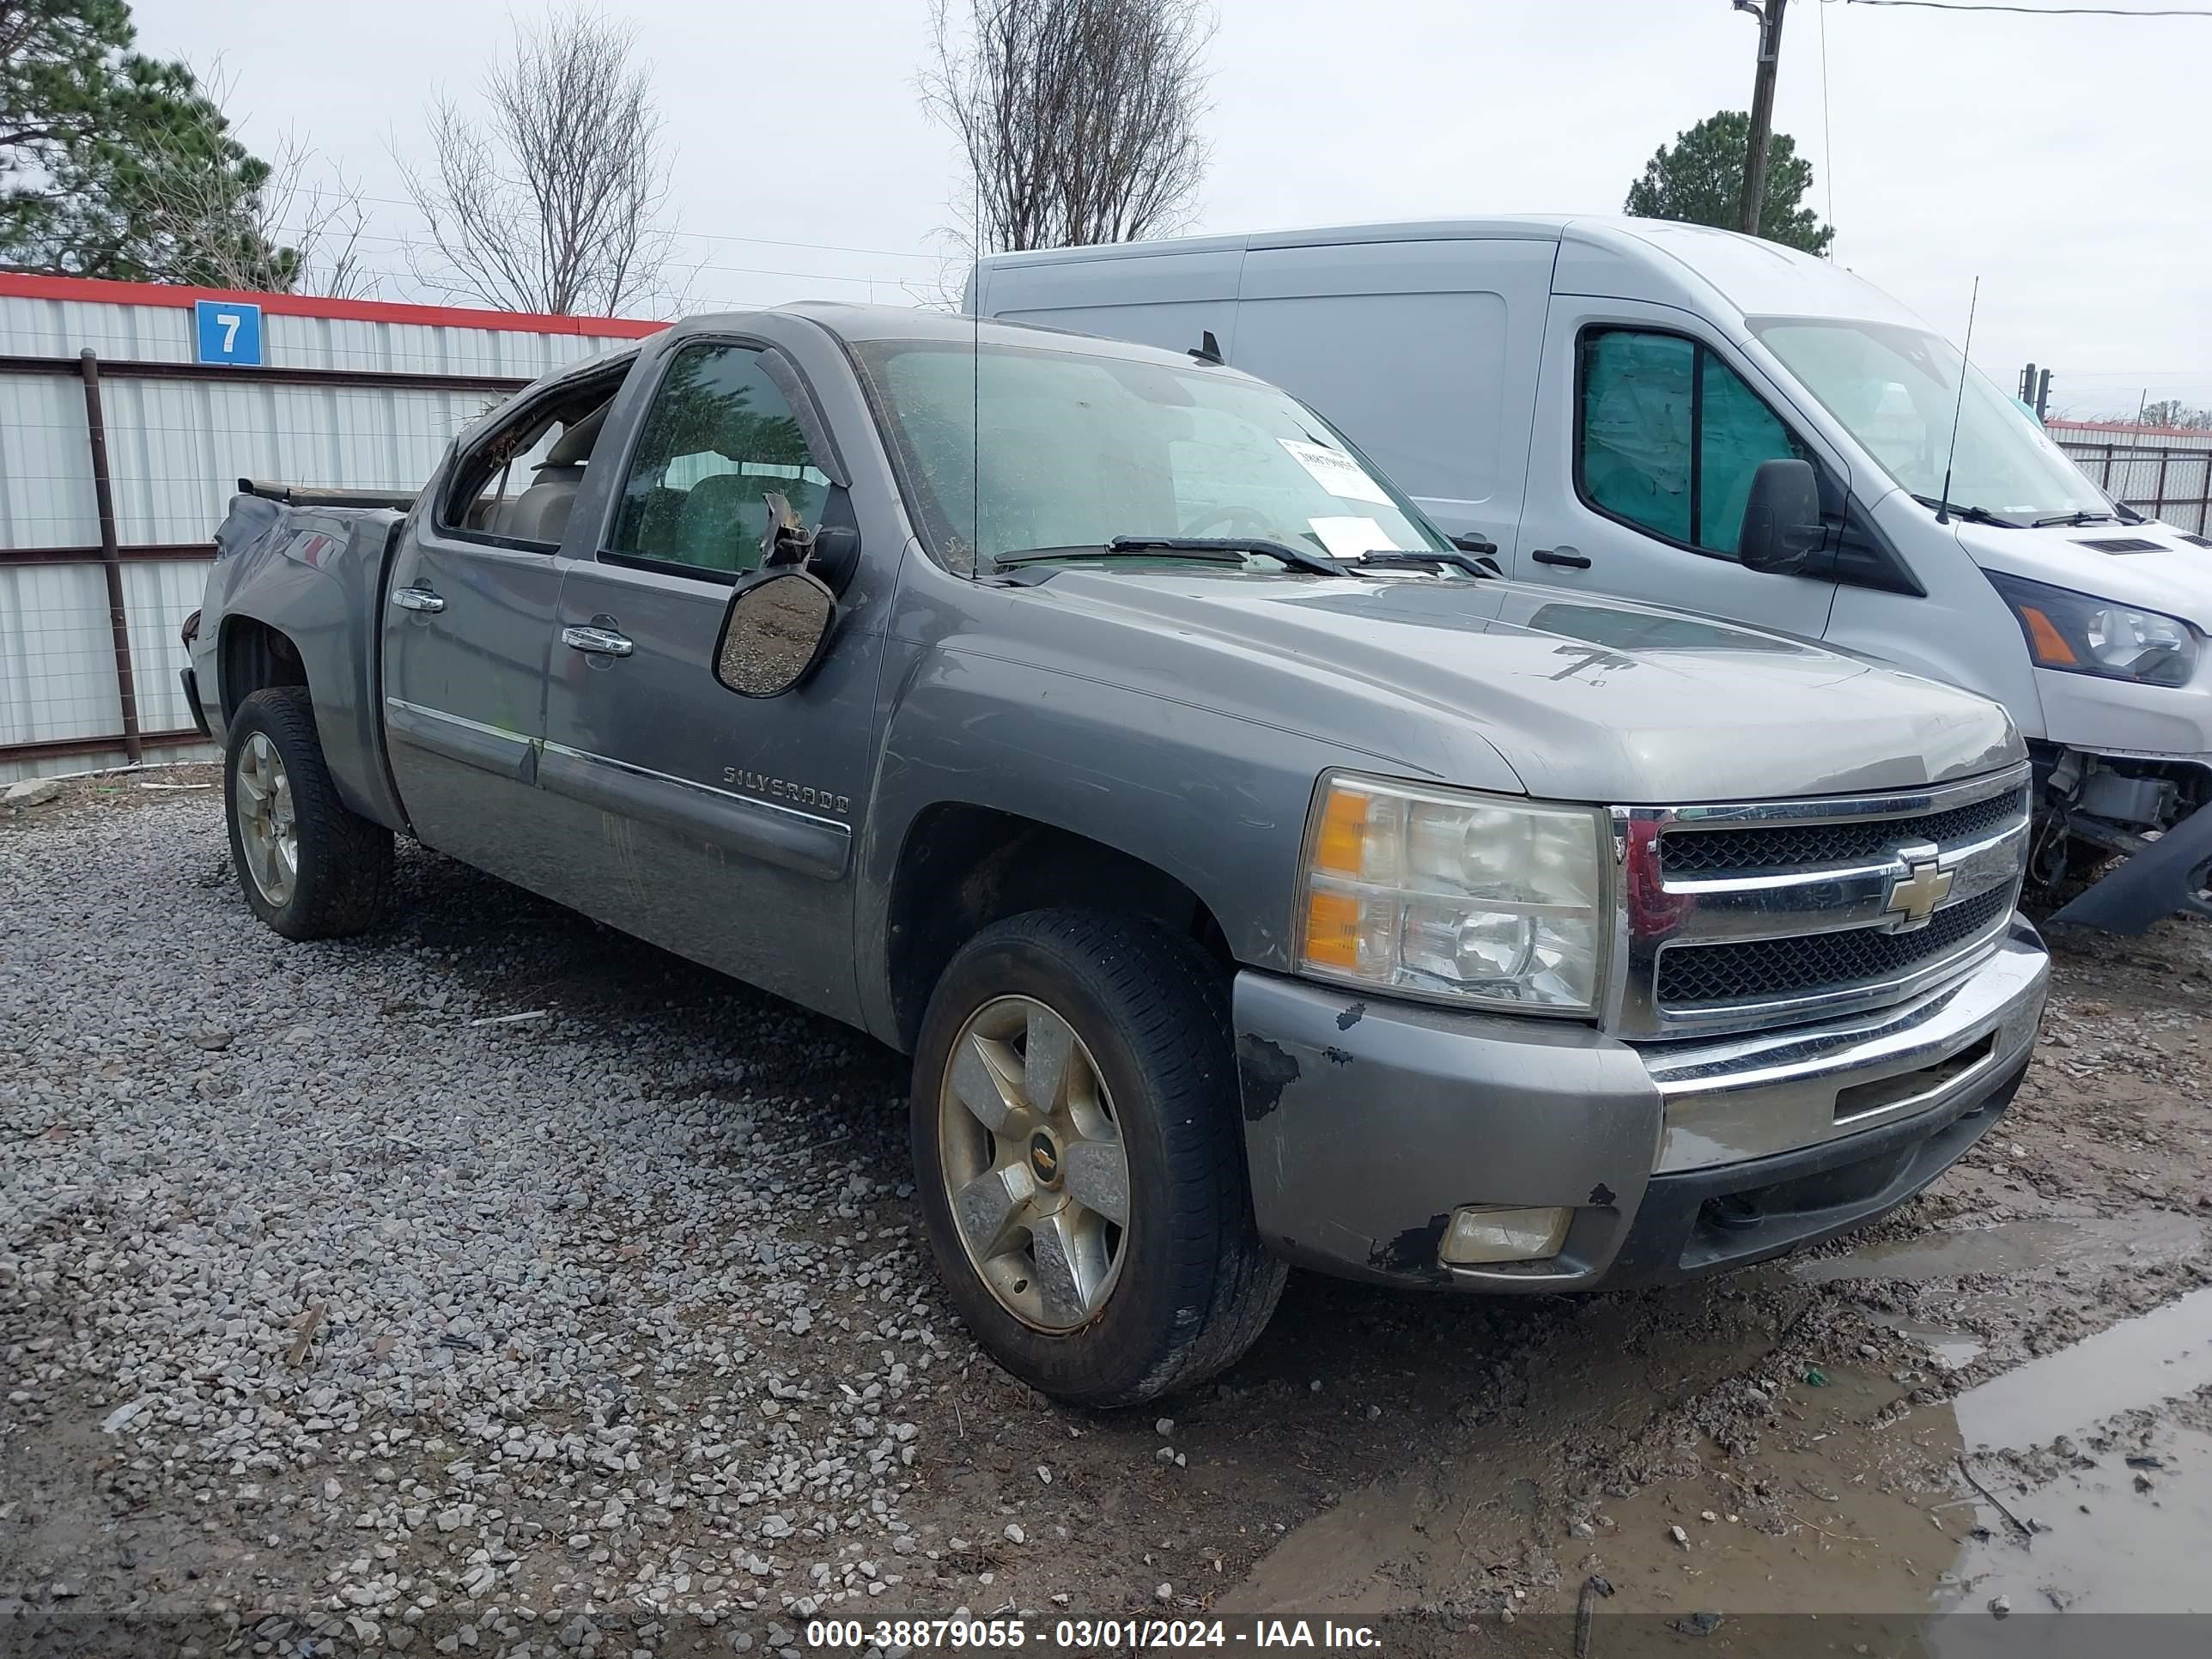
(1187, 1286)
(340, 876)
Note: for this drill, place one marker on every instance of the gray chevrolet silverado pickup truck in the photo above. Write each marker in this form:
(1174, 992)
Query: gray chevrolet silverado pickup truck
(1252, 877)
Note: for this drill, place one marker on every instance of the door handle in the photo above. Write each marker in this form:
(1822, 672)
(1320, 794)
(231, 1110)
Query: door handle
(600, 641)
(1565, 555)
(1474, 541)
(417, 598)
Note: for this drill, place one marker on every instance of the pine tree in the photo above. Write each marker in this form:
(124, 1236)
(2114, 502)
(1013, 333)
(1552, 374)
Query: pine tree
(1699, 181)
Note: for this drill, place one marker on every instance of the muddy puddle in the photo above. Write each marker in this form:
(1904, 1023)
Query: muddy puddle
(2069, 1484)
(2077, 1483)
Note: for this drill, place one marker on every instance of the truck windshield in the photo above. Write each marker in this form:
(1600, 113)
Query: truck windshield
(1896, 389)
(1017, 448)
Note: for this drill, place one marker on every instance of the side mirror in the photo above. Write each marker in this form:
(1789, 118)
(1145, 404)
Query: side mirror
(774, 633)
(1782, 523)
(836, 556)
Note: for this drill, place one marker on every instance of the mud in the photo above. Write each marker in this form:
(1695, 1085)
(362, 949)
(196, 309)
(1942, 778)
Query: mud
(2035, 1320)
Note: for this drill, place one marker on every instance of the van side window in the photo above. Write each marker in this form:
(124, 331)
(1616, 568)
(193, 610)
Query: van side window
(718, 439)
(1670, 436)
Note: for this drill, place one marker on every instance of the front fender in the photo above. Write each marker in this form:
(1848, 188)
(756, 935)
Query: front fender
(1216, 801)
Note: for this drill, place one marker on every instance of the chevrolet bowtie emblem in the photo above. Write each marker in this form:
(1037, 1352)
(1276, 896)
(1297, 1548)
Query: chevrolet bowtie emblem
(1914, 895)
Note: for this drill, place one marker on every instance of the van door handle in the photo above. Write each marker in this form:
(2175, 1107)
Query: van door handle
(1565, 555)
(600, 641)
(417, 598)
(1474, 541)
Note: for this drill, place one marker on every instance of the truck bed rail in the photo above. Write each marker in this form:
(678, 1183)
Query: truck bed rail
(312, 496)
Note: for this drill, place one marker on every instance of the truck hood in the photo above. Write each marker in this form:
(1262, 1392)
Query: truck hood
(1585, 700)
(2171, 575)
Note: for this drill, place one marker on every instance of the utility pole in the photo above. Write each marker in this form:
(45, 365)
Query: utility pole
(1762, 111)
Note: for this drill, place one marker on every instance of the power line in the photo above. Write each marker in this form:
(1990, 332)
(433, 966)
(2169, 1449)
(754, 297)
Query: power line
(2039, 11)
(693, 235)
(414, 244)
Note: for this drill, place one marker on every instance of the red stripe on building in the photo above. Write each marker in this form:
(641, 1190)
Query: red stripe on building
(94, 290)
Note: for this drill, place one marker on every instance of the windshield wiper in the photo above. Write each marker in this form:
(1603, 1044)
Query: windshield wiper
(1405, 559)
(1298, 558)
(1971, 515)
(1230, 550)
(2081, 517)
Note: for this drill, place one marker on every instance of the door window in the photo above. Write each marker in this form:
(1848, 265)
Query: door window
(1669, 437)
(717, 440)
(516, 487)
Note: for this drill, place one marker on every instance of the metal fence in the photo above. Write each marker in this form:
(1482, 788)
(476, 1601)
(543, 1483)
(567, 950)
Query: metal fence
(119, 448)
(2174, 484)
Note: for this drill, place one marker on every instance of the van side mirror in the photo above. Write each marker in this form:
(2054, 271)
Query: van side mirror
(1782, 523)
(774, 633)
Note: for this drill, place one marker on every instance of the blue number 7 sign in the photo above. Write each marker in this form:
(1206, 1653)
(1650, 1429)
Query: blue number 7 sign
(227, 332)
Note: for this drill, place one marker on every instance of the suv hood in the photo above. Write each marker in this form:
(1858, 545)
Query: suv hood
(2171, 575)
(1585, 700)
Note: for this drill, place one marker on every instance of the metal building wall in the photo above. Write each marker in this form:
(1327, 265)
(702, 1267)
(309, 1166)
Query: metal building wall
(349, 394)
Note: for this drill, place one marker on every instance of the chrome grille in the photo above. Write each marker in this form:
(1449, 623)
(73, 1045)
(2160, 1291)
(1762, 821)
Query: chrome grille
(1691, 974)
(1688, 852)
(1739, 916)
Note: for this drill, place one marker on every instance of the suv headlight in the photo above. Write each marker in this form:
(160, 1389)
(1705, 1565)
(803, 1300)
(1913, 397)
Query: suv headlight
(1452, 896)
(2078, 635)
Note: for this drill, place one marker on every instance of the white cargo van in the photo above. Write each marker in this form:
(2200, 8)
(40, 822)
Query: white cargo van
(1593, 397)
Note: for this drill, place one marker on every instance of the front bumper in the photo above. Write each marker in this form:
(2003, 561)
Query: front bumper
(1368, 1122)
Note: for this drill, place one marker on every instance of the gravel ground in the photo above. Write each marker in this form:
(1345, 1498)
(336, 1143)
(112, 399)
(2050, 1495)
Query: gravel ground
(499, 1283)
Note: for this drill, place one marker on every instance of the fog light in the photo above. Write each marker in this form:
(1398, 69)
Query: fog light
(1484, 1232)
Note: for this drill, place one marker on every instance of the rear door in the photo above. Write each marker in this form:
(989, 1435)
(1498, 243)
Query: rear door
(468, 616)
(1647, 433)
(1426, 353)
(715, 825)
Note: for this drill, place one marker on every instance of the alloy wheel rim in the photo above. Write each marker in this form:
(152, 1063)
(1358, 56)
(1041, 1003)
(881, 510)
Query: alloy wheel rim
(268, 830)
(1034, 1166)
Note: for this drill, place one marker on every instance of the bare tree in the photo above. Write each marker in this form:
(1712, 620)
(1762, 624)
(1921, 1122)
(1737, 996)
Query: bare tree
(288, 225)
(1077, 119)
(555, 201)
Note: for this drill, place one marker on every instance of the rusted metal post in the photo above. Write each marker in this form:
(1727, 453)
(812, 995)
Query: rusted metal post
(110, 557)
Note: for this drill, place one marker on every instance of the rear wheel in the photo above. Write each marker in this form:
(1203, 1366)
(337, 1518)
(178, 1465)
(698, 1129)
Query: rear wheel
(1075, 1128)
(309, 868)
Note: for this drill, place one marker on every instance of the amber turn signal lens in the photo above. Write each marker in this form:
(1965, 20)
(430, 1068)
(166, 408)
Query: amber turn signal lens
(1342, 846)
(2051, 645)
(1333, 930)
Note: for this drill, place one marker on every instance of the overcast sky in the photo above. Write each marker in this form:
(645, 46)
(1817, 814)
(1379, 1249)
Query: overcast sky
(2063, 160)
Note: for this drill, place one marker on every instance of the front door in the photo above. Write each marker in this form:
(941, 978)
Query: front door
(717, 826)
(1646, 441)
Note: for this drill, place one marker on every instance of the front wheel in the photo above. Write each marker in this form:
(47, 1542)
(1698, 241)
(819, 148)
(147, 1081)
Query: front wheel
(310, 867)
(1081, 1169)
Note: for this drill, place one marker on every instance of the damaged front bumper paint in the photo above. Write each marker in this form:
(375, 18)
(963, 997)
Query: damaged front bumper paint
(1367, 1123)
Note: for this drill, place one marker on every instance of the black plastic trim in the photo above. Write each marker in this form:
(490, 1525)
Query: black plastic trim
(1669, 1239)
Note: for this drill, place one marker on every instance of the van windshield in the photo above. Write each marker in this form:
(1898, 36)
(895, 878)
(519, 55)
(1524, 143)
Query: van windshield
(1019, 448)
(1896, 390)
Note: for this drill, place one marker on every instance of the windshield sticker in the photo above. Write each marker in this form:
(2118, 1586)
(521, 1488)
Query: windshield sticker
(1347, 539)
(1336, 472)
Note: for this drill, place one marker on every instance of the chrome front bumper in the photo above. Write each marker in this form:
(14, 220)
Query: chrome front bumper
(1776, 1092)
(1367, 1122)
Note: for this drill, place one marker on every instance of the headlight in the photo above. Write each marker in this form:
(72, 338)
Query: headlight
(1453, 896)
(2078, 635)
